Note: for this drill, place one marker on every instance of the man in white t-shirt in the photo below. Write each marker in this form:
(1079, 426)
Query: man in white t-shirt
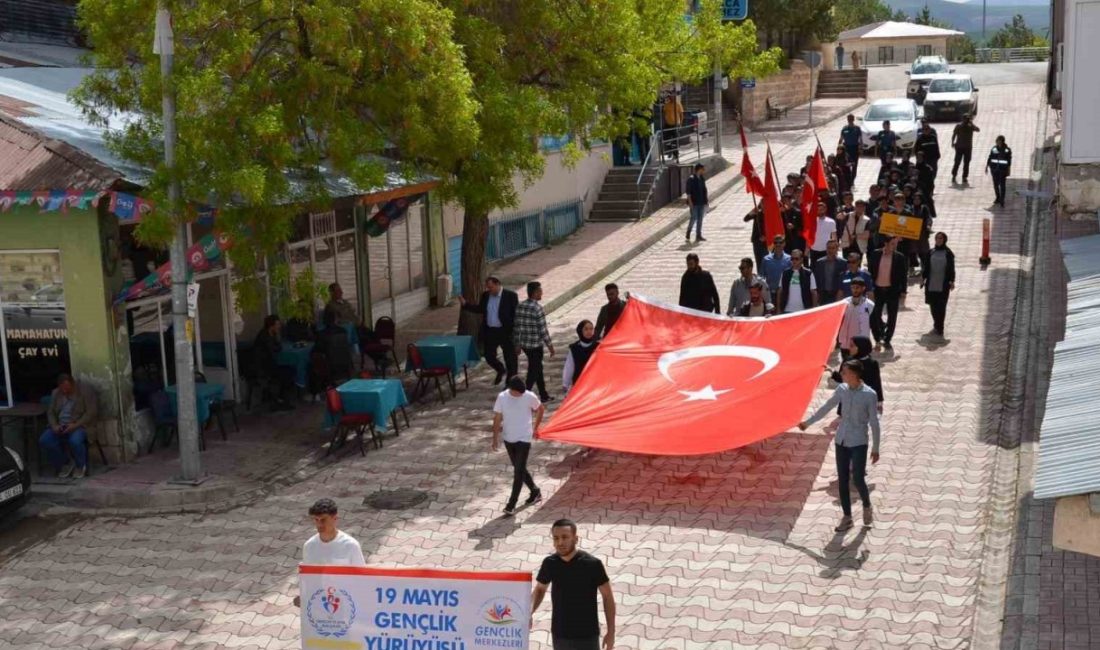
(512, 421)
(826, 231)
(798, 288)
(330, 546)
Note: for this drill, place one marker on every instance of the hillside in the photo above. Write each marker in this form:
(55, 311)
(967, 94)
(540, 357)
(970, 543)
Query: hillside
(967, 16)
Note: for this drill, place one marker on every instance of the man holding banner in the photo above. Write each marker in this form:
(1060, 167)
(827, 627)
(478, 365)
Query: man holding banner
(576, 577)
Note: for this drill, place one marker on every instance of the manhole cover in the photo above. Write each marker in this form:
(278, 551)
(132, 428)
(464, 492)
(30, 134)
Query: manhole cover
(396, 499)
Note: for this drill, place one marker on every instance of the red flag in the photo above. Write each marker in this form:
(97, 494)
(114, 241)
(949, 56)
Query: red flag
(773, 219)
(808, 203)
(699, 383)
(753, 184)
(817, 172)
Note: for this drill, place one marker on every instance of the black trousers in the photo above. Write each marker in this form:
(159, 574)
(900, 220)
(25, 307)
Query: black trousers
(937, 303)
(518, 453)
(826, 296)
(999, 179)
(961, 156)
(586, 643)
(885, 298)
(853, 157)
(496, 337)
(535, 375)
(851, 465)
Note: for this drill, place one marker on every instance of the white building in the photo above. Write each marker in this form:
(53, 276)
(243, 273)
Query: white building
(1075, 90)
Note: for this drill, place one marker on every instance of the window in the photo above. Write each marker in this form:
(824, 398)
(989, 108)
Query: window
(328, 249)
(886, 54)
(924, 50)
(949, 86)
(35, 335)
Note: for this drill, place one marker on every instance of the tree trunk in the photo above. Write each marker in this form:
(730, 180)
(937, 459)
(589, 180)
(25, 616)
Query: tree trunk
(475, 228)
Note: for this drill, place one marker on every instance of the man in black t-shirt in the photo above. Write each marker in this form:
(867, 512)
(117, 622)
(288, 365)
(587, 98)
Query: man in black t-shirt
(576, 577)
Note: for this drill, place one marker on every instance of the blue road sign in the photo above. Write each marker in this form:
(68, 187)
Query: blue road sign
(735, 9)
(749, 82)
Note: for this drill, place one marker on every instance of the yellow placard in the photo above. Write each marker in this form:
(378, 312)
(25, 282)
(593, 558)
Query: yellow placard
(896, 225)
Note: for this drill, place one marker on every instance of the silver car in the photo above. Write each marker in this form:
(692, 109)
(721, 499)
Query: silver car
(950, 97)
(904, 116)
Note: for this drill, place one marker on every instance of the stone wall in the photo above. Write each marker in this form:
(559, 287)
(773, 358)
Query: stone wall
(1079, 187)
(788, 88)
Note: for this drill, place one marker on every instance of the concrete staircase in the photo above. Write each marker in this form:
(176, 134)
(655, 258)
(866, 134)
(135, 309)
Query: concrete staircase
(842, 84)
(622, 198)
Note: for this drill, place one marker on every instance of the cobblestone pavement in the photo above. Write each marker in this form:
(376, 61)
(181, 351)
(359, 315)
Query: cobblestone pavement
(722, 551)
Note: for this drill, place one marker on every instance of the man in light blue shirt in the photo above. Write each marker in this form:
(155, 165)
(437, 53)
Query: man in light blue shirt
(492, 310)
(775, 263)
(859, 412)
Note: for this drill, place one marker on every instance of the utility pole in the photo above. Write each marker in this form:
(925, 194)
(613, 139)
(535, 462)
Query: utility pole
(187, 424)
(983, 23)
(717, 107)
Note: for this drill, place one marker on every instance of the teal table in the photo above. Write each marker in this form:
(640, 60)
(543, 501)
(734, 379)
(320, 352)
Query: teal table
(205, 395)
(296, 356)
(456, 352)
(378, 398)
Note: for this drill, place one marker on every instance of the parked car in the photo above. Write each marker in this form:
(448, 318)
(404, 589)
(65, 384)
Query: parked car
(950, 97)
(923, 70)
(15, 480)
(904, 116)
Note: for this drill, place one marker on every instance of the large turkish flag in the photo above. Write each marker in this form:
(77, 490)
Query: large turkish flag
(677, 382)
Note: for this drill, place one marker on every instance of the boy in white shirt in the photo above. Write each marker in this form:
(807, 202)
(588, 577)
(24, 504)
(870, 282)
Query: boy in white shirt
(330, 546)
(512, 415)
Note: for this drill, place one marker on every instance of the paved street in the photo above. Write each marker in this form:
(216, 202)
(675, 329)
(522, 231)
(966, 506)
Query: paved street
(734, 550)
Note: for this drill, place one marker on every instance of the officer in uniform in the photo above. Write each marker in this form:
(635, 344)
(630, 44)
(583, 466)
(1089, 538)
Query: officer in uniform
(999, 166)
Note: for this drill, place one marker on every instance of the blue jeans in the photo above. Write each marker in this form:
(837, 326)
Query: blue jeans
(697, 213)
(54, 446)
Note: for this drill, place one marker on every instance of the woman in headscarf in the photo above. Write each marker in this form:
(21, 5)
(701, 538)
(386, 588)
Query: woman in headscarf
(938, 279)
(579, 354)
(872, 373)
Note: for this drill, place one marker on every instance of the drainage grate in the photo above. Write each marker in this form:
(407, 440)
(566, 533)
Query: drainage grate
(403, 499)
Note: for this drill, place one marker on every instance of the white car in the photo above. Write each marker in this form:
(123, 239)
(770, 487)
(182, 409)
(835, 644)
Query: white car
(924, 69)
(950, 97)
(904, 116)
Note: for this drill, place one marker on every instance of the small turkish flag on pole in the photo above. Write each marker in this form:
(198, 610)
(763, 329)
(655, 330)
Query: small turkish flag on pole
(677, 382)
(773, 219)
(808, 202)
(753, 184)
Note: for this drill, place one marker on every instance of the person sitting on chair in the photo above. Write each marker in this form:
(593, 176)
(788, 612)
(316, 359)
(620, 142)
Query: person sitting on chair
(334, 344)
(340, 308)
(72, 409)
(267, 346)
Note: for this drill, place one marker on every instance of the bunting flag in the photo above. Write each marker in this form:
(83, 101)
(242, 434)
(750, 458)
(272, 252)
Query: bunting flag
(808, 204)
(773, 219)
(200, 257)
(389, 213)
(127, 207)
(817, 172)
(753, 185)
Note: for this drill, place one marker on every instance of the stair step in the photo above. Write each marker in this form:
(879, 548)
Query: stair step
(622, 195)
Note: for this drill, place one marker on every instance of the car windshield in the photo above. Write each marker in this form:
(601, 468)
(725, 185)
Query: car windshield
(949, 86)
(890, 112)
(929, 68)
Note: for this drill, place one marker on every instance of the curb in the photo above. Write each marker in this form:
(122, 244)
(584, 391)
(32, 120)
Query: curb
(675, 222)
(818, 121)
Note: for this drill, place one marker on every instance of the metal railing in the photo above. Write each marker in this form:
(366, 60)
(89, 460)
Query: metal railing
(888, 55)
(678, 144)
(1011, 54)
(516, 234)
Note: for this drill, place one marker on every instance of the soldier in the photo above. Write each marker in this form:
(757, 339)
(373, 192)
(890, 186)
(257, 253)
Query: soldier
(999, 166)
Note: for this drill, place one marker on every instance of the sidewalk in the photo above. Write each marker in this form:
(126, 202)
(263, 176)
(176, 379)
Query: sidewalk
(824, 111)
(283, 449)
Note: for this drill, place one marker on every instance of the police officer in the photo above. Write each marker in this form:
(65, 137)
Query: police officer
(928, 143)
(850, 138)
(999, 166)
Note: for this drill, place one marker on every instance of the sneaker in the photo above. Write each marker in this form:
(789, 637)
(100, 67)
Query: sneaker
(546, 399)
(535, 497)
(66, 471)
(868, 517)
(499, 378)
(80, 472)
(699, 239)
(954, 180)
(687, 238)
(509, 511)
(887, 346)
(845, 524)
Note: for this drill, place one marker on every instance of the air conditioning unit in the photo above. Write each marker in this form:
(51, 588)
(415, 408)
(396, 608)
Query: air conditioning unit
(444, 285)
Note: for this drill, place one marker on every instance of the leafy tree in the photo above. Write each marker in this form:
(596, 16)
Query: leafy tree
(544, 67)
(807, 18)
(849, 14)
(1016, 34)
(270, 95)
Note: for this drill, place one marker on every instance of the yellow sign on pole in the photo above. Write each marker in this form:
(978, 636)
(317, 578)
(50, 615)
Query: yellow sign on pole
(896, 225)
(190, 329)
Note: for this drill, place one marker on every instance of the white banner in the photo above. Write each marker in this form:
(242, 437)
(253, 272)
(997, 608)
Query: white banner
(355, 608)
